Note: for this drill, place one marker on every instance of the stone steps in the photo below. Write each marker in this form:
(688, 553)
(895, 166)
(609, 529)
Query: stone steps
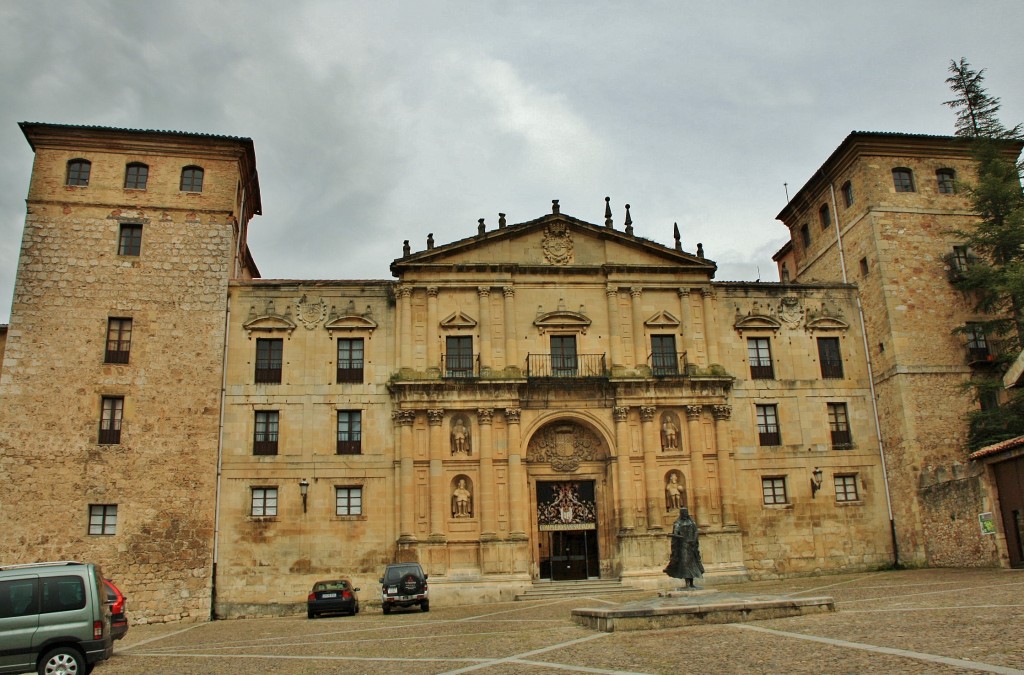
(542, 590)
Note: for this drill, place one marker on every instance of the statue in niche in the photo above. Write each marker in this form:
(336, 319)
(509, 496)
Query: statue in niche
(684, 560)
(669, 434)
(674, 493)
(460, 437)
(462, 501)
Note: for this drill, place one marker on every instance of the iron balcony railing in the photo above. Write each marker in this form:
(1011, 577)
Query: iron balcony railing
(667, 364)
(464, 366)
(568, 366)
(832, 369)
(841, 439)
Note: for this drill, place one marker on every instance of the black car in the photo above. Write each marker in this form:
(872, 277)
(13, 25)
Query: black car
(404, 585)
(331, 597)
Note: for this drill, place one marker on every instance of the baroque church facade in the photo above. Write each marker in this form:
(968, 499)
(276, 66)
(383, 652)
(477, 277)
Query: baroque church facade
(529, 404)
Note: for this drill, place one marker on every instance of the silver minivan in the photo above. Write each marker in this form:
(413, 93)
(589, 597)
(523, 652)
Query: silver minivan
(54, 618)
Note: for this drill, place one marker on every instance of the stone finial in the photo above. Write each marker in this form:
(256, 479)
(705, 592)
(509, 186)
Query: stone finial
(430, 241)
(501, 220)
(405, 248)
(700, 250)
(607, 212)
(629, 221)
(480, 227)
(675, 233)
(554, 207)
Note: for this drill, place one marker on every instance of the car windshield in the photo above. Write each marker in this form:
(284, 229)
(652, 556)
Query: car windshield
(331, 586)
(395, 574)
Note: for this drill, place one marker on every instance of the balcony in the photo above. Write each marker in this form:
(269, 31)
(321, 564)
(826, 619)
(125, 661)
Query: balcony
(566, 366)
(459, 366)
(980, 356)
(668, 364)
(832, 369)
(841, 439)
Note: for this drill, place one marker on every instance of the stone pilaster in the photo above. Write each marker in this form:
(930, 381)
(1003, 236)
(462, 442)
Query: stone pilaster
(624, 477)
(653, 482)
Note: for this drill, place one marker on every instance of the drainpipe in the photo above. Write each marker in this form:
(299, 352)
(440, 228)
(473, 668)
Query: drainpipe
(871, 380)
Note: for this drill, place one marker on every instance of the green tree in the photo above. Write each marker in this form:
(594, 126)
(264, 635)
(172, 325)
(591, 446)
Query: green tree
(995, 273)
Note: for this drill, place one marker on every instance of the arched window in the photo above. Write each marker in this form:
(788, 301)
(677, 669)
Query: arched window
(78, 172)
(824, 216)
(946, 179)
(192, 179)
(805, 235)
(135, 176)
(903, 179)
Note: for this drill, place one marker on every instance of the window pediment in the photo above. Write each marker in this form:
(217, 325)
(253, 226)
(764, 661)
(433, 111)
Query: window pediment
(562, 320)
(662, 319)
(349, 320)
(268, 320)
(458, 320)
(756, 322)
(826, 318)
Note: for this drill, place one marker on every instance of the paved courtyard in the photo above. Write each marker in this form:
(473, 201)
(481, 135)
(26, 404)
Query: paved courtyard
(920, 621)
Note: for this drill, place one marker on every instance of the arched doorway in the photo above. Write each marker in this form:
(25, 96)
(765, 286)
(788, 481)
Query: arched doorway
(567, 525)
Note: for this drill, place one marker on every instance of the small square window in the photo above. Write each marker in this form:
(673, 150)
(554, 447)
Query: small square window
(846, 488)
(111, 416)
(903, 180)
(348, 501)
(78, 172)
(773, 490)
(946, 179)
(192, 179)
(129, 241)
(103, 519)
(119, 340)
(264, 501)
(135, 176)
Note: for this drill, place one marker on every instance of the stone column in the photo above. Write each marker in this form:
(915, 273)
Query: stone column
(407, 517)
(432, 336)
(405, 338)
(639, 350)
(686, 319)
(650, 439)
(484, 294)
(517, 504)
(624, 477)
(511, 347)
(700, 479)
(710, 336)
(614, 327)
(726, 468)
(488, 504)
(438, 488)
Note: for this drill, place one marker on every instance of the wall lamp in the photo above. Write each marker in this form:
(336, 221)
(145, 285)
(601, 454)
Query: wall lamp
(303, 490)
(816, 478)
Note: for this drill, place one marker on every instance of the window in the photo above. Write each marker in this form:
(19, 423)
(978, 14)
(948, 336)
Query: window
(824, 216)
(846, 488)
(268, 360)
(863, 267)
(903, 180)
(110, 420)
(264, 501)
(102, 518)
(350, 360)
(135, 176)
(348, 501)
(664, 360)
(18, 598)
(773, 488)
(129, 242)
(946, 179)
(78, 172)
(350, 432)
(805, 235)
(61, 594)
(192, 179)
(458, 356)
(839, 426)
(768, 425)
(264, 440)
(961, 258)
(977, 344)
(759, 354)
(563, 355)
(119, 340)
(988, 399)
(830, 359)
(847, 191)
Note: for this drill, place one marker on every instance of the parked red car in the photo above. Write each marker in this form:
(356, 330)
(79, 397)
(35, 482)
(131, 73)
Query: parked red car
(117, 601)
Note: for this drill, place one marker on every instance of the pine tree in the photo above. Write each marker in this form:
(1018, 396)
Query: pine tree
(995, 275)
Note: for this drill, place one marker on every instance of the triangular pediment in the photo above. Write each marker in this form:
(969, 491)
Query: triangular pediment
(662, 319)
(458, 320)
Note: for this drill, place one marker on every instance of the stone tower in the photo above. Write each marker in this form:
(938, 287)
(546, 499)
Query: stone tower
(114, 359)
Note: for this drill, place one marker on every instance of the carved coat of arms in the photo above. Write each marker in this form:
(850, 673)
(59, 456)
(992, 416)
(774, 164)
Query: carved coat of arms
(564, 446)
(310, 314)
(557, 244)
(790, 311)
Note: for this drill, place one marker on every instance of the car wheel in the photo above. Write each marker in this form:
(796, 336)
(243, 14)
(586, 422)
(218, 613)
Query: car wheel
(62, 661)
(425, 605)
(387, 609)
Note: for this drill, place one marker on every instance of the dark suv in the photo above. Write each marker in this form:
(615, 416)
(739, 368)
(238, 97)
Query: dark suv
(404, 585)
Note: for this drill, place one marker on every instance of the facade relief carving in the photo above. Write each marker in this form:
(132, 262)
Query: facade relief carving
(564, 445)
(675, 491)
(557, 244)
(669, 432)
(462, 499)
(460, 437)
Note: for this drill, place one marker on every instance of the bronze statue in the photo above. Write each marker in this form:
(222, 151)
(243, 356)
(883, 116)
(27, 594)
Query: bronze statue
(684, 561)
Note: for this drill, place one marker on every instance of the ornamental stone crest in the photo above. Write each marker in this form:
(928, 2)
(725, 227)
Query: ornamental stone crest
(790, 311)
(557, 244)
(310, 314)
(565, 445)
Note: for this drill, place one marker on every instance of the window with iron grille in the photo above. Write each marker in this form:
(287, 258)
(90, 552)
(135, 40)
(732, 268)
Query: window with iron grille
(135, 176)
(348, 501)
(759, 353)
(119, 340)
(768, 425)
(111, 413)
(268, 360)
(848, 194)
(350, 432)
(664, 359)
(102, 518)
(846, 488)
(824, 217)
(563, 356)
(839, 426)
(830, 359)
(903, 179)
(265, 434)
(264, 501)
(78, 172)
(350, 360)
(977, 344)
(192, 179)
(129, 240)
(773, 489)
(458, 356)
(946, 179)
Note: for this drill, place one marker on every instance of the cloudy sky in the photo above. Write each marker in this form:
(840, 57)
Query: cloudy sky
(380, 121)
